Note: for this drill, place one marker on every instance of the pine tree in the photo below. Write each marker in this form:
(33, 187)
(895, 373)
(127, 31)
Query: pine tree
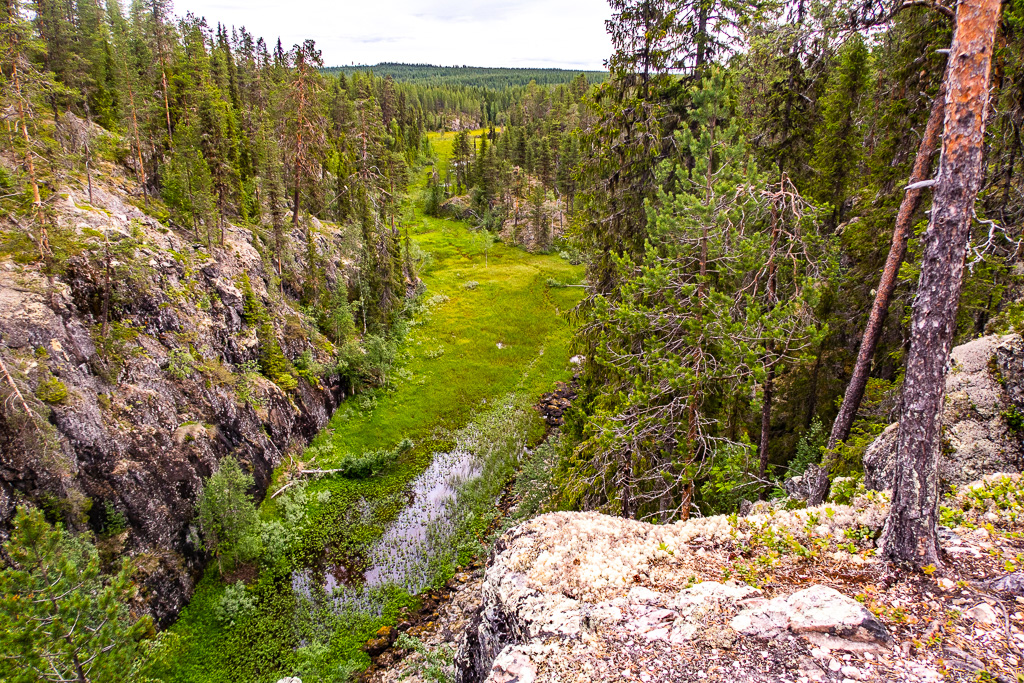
(671, 344)
(60, 618)
(306, 119)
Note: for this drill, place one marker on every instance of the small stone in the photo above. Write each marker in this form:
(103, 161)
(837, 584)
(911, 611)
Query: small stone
(820, 609)
(944, 583)
(983, 614)
(834, 665)
(851, 672)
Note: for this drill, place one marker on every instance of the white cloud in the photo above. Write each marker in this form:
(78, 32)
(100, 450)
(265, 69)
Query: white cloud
(527, 33)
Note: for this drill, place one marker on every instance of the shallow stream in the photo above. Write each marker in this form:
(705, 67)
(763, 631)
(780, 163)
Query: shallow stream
(412, 544)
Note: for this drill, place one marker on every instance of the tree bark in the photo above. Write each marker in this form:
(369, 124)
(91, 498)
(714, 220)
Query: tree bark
(883, 296)
(910, 530)
(766, 423)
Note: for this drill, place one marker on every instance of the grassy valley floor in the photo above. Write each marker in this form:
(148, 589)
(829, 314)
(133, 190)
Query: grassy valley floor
(485, 331)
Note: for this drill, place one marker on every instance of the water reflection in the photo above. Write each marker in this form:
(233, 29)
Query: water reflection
(411, 546)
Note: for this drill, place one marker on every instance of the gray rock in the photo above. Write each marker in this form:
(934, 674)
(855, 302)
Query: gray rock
(820, 609)
(1008, 583)
(818, 613)
(984, 383)
(983, 613)
(129, 437)
(542, 610)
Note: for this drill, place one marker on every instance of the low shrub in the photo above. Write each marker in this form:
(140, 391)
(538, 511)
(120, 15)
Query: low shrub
(235, 604)
(51, 390)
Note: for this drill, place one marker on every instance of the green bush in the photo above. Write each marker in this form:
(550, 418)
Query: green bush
(273, 363)
(435, 664)
(227, 517)
(235, 604)
(181, 363)
(112, 521)
(51, 390)
(252, 308)
(245, 390)
(1014, 419)
(306, 366)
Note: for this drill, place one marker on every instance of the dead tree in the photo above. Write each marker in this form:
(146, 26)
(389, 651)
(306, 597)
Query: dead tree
(886, 286)
(910, 530)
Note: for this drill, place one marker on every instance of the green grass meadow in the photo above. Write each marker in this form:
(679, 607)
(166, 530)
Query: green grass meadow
(467, 347)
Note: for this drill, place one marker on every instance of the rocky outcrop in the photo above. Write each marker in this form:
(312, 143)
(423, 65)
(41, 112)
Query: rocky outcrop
(583, 596)
(983, 418)
(130, 423)
(552, 405)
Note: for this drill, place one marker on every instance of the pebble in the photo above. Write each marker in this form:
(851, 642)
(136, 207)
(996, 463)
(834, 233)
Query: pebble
(983, 614)
(834, 665)
(851, 672)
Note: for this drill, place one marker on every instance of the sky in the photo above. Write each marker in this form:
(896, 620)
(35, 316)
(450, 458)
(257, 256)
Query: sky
(566, 34)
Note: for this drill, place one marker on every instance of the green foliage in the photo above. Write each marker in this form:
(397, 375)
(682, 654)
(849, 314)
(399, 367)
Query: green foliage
(998, 498)
(245, 389)
(335, 318)
(836, 148)
(434, 664)
(273, 363)
(227, 517)
(113, 521)
(1014, 419)
(808, 449)
(687, 333)
(51, 390)
(116, 348)
(368, 464)
(844, 489)
(235, 604)
(253, 312)
(730, 479)
(536, 486)
(59, 614)
(181, 364)
(306, 366)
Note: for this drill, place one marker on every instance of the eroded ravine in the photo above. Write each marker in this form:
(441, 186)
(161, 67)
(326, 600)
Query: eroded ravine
(491, 332)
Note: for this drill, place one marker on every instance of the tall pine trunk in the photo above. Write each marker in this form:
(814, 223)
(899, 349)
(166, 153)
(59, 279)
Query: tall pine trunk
(887, 285)
(910, 530)
(37, 202)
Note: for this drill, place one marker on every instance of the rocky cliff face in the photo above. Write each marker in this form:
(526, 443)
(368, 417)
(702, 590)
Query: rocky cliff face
(983, 418)
(129, 424)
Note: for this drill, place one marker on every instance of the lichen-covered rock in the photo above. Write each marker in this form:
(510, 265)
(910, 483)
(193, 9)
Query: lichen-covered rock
(568, 595)
(981, 427)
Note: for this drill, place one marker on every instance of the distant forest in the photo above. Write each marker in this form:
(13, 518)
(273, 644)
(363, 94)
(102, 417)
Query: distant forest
(470, 76)
(465, 96)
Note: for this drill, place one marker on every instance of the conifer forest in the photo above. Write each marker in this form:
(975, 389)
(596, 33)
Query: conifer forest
(285, 346)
